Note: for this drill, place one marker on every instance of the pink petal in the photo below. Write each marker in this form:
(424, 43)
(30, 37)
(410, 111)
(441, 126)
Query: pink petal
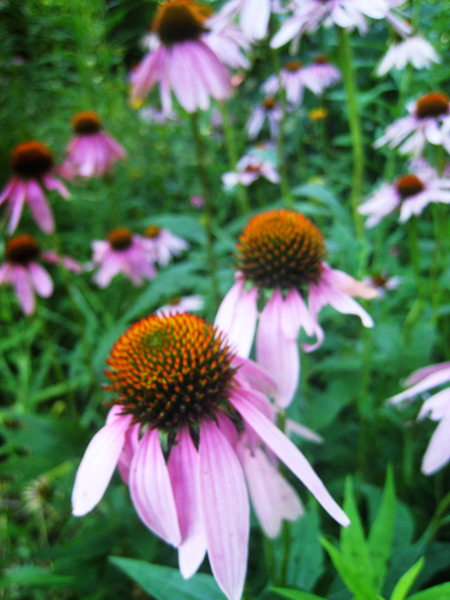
(53, 184)
(17, 200)
(183, 470)
(438, 452)
(129, 448)
(39, 207)
(287, 453)
(437, 377)
(151, 490)
(425, 371)
(97, 465)
(8, 190)
(20, 279)
(256, 376)
(41, 280)
(225, 510)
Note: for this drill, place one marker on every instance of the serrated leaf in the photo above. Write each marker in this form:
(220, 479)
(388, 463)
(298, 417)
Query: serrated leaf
(165, 583)
(407, 580)
(438, 592)
(295, 594)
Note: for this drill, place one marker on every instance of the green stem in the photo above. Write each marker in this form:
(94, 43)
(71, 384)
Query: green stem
(436, 521)
(414, 250)
(209, 211)
(233, 157)
(346, 60)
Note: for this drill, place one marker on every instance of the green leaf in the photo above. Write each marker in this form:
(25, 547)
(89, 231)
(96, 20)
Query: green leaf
(295, 594)
(438, 592)
(35, 576)
(406, 581)
(380, 536)
(165, 583)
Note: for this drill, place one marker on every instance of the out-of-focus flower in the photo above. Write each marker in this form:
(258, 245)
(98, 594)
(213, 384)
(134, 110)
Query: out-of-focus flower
(436, 407)
(180, 392)
(323, 73)
(383, 283)
(122, 252)
(182, 61)
(33, 167)
(318, 114)
(228, 43)
(281, 252)
(197, 201)
(410, 193)
(309, 15)
(22, 270)
(428, 121)
(254, 16)
(414, 50)
(249, 169)
(161, 244)
(156, 115)
(268, 109)
(181, 305)
(92, 152)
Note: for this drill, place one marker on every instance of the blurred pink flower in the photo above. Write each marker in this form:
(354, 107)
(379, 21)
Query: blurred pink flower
(181, 61)
(124, 253)
(382, 283)
(410, 194)
(92, 152)
(228, 42)
(197, 201)
(176, 376)
(436, 407)
(254, 16)
(249, 169)
(161, 244)
(25, 274)
(414, 50)
(181, 305)
(33, 167)
(268, 109)
(428, 121)
(282, 251)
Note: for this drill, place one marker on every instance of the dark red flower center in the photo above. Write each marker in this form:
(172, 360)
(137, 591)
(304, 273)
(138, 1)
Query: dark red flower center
(409, 185)
(281, 248)
(86, 123)
(321, 60)
(22, 249)
(179, 21)
(170, 371)
(379, 281)
(269, 104)
(31, 159)
(152, 231)
(432, 105)
(120, 238)
(293, 65)
(253, 168)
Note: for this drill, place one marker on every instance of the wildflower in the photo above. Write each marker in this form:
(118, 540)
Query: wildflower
(181, 61)
(197, 201)
(382, 283)
(228, 43)
(410, 193)
(181, 305)
(254, 16)
(181, 393)
(122, 252)
(281, 252)
(437, 407)
(33, 167)
(161, 244)
(23, 271)
(318, 114)
(268, 109)
(249, 169)
(414, 50)
(92, 152)
(423, 124)
(323, 73)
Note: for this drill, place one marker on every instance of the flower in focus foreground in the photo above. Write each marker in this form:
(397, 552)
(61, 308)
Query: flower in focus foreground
(92, 152)
(181, 61)
(23, 271)
(33, 167)
(437, 407)
(123, 252)
(183, 405)
(282, 251)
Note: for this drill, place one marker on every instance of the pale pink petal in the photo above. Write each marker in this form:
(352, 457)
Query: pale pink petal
(282, 447)
(151, 490)
(8, 190)
(53, 184)
(347, 284)
(17, 200)
(97, 465)
(438, 452)
(436, 406)
(303, 432)
(425, 371)
(256, 376)
(4, 271)
(437, 377)
(23, 287)
(254, 18)
(129, 448)
(41, 280)
(39, 207)
(225, 509)
(183, 470)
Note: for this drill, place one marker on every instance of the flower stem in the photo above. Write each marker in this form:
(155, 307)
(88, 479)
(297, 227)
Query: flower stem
(209, 212)
(346, 60)
(233, 157)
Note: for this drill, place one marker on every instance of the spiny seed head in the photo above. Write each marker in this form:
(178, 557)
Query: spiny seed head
(31, 159)
(269, 103)
(293, 65)
(120, 238)
(409, 185)
(179, 21)
(152, 231)
(170, 371)
(281, 248)
(22, 249)
(432, 105)
(86, 123)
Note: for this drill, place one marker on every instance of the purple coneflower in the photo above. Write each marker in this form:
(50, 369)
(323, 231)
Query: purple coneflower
(268, 109)
(92, 152)
(161, 244)
(23, 271)
(382, 283)
(428, 121)
(182, 402)
(254, 16)
(410, 193)
(437, 407)
(122, 252)
(249, 169)
(282, 251)
(182, 61)
(33, 167)
(414, 50)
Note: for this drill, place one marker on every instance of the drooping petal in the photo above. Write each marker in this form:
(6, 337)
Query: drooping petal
(39, 207)
(20, 279)
(16, 200)
(225, 510)
(433, 379)
(97, 465)
(438, 452)
(41, 280)
(257, 377)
